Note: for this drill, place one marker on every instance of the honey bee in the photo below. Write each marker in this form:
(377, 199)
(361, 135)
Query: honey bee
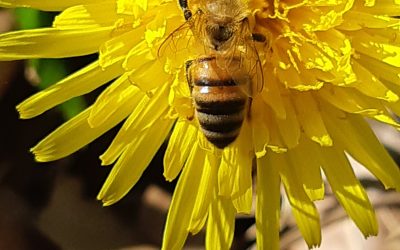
(221, 81)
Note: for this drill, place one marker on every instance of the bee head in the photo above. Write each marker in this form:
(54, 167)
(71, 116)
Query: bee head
(222, 20)
(219, 33)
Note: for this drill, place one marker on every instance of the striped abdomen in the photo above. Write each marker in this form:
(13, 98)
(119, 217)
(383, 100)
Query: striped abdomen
(220, 111)
(220, 102)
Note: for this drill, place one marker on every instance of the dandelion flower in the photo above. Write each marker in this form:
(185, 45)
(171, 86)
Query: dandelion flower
(328, 65)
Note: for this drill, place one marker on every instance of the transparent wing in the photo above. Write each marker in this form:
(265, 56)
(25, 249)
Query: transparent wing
(176, 41)
(242, 62)
(184, 42)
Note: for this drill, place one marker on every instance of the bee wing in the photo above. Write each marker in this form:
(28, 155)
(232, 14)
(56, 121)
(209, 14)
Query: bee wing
(254, 67)
(174, 42)
(243, 63)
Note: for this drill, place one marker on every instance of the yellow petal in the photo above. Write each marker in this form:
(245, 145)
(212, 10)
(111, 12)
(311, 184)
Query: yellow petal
(289, 128)
(303, 209)
(221, 224)
(387, 35)
(275, 142)
(393, 87)
(243, 203)
(382, 7)
(353, 101)
(347, 100)
(289, 68)
(59, 144)
(307, 169)
(392, 73)
(326, 58)
(179, 145)
(145, 81)
(143, 117)
(183, 201)
(310, 119)
(137, 56)
(286, 70)
(271, 94)
(234, 174)
(43, 5)
(268, 205)
(355, 20)
(155, 31)
(118, 94)
(51, 43)
(395, 108)
(259, 127)
(323, 16)
(227, 172)
(124, 136)
(79, 83)
(128, 7)
(355, 136)
(115, 49)
(179, 96)
(314, 58)
(133, 161)
(339, 48)
(376, 47)
(348, 190)
(370, 85)
(206, 194)
(87, 16)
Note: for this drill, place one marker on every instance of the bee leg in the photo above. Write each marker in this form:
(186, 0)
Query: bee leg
(188, 78)
(249, 108)
(188, 64)
(187, 13)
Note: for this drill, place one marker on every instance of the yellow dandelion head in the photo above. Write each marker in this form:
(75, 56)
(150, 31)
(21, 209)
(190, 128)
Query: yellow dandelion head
(297, 78)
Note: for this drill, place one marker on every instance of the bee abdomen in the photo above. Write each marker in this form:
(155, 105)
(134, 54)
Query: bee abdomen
(220, 98)
(217, 107)
(220, 123)
(219, 139)
(220, 115)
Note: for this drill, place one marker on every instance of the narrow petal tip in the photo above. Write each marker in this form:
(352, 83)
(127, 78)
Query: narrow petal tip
(22, 112)
(391, 96)
(43, 154)
(106, 200)
(325, 140)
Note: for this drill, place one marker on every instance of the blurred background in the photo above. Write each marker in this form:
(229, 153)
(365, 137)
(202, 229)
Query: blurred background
(53, 205)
